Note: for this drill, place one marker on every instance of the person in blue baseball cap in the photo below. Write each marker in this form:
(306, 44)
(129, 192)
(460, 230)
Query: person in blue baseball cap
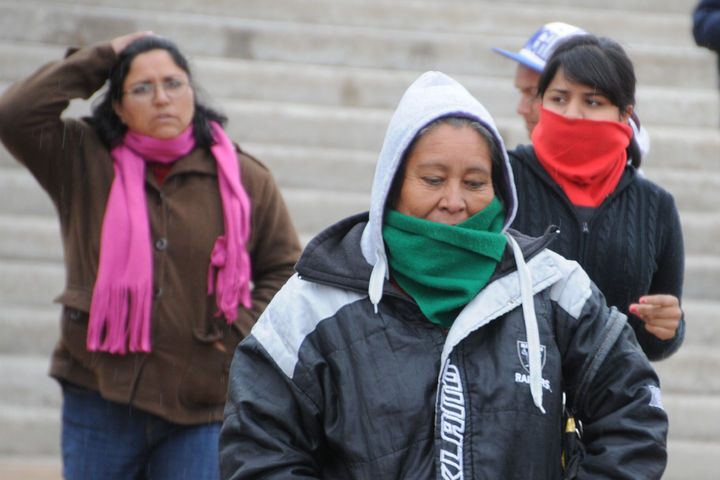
(531, 61)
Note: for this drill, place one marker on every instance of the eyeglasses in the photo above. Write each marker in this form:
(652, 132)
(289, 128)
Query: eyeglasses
(146, 91)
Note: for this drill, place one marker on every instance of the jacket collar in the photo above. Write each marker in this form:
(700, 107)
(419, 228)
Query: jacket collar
(333, 256)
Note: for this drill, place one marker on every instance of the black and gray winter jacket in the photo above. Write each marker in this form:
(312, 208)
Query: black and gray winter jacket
(344, 378)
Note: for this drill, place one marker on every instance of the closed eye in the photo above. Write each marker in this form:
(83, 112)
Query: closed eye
(432, 180)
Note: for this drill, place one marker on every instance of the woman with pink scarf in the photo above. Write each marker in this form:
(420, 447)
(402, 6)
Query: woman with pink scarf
(174, 242)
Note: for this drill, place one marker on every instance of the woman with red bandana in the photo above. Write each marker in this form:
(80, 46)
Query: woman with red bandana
(580, 175)
(174, 240)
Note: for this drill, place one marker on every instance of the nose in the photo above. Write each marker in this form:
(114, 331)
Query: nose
(452, 199)
(160, 95)
(523, 107)
(574, 110)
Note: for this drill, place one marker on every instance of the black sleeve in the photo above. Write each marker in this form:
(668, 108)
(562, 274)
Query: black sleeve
(625, 426)
(706, 24)
(31, 126)
(668, 279)
(270, 427)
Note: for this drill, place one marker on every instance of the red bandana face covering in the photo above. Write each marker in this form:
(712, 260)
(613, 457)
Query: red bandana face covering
(585, 157)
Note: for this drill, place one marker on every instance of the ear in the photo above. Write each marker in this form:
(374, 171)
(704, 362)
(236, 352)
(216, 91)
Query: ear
(118, 111)
(625, 116)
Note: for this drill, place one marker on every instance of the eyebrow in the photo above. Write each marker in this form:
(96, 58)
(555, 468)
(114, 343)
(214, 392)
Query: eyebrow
(433, 164)
(594, 93)
(172, 76)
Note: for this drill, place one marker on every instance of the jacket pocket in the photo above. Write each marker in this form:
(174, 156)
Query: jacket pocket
(74, 325)
(205, 379)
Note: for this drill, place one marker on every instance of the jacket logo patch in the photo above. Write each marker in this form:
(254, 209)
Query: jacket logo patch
(522, 349)
(655, 397)
(524, 356)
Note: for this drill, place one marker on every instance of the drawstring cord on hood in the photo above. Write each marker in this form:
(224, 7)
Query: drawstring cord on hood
(531, 327)
(377, 278)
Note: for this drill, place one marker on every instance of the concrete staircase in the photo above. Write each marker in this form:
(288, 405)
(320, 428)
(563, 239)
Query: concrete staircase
(309, 87)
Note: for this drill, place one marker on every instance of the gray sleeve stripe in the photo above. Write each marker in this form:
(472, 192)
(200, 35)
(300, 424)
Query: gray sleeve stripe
(574, 287)
(293, 314)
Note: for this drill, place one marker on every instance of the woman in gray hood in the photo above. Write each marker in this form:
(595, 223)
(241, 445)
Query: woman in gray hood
(423, 339)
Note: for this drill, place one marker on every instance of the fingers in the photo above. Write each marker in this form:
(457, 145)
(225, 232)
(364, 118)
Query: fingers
(661, 314)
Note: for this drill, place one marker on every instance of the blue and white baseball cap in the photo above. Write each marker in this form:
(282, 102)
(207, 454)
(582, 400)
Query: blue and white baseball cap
(540, 46)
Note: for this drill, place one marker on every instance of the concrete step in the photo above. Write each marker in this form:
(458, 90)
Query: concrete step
(256, 7)
(25, 381)
(500, 18)
(702, 277)
(692, 459)
(692, 370)
(30, 237)
(682, 65)
(341, 127)
(33, 328)
(627, 7)
(702, 327)
(25, 58)
(306, 166)
(41, 400)
(30, 283)
(35, 282)
(308, 177)
(310, 209)
(694, 190)
(367, 87)
(29, 330)
(30, 467)
(29, 278)
(689, 415)
(362, 130)
(701, 231)
(687, 459)
(28, 430)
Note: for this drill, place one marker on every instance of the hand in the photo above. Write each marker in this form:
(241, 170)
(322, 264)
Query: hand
(660, 313)
(120, 43)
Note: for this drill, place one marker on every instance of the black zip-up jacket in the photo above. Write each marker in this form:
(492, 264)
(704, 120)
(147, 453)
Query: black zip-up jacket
(631, 246)
(325, 387)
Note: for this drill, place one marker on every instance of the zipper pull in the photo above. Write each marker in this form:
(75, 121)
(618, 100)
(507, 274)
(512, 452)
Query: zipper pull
(585, 228)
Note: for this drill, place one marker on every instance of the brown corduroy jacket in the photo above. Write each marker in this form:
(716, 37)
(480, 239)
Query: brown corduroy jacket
(184, 378)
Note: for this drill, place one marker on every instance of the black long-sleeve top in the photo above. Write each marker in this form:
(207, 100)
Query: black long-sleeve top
(706, 24)
(631, 245)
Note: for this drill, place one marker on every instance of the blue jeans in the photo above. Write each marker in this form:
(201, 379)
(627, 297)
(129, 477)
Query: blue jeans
(104, 440)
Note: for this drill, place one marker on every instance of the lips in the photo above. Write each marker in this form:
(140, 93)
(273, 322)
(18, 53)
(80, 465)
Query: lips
(165, 117)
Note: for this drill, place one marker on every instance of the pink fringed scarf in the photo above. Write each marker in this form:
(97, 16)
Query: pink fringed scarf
(122, 297)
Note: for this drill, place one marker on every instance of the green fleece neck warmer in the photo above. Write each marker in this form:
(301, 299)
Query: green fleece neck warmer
(442, 267)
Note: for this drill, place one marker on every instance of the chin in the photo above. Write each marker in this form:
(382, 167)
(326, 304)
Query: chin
(166, 134)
